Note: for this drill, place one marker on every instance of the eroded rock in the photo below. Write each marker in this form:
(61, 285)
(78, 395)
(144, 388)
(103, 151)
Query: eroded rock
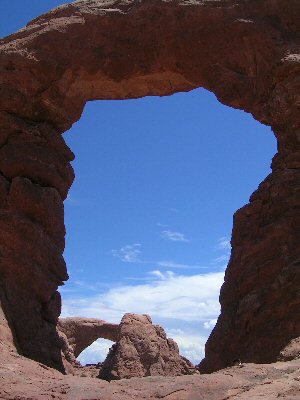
(143, 349)
(82, 332)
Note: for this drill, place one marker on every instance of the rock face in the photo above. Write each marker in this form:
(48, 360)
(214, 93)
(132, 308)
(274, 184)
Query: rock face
(247, 53)
(260, 298)
(143, 349)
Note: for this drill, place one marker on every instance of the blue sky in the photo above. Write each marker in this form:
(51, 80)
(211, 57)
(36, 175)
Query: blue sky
(149, 216)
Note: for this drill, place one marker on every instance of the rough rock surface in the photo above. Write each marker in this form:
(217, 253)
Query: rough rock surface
(247, 52)
(82, 332)
(291, 351)
(23, 379)
(143, 349)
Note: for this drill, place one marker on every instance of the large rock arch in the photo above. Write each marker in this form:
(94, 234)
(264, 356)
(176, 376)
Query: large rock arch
(82, 332)
(247, 53)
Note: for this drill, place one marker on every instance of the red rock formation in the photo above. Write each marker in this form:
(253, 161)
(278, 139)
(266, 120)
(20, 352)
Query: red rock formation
(247, 53)
(143, 349)
(82, 332)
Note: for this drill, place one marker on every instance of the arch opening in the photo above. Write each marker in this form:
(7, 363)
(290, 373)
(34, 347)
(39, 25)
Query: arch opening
(146, 167)
(95, 353)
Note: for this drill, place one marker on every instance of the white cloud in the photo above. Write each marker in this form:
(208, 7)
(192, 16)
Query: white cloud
(96, 352)
(210, 324)
(174, 236)
(224, 243)
(129, 253)
(166, 296)
(191, 344)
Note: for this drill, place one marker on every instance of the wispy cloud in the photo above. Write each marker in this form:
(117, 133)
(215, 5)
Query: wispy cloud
(174, 265)
(224, 246)
(132, 253)
(221, 260)
(174, 236)
(79, 286)
(224, 243)
(129, 253)
(161, 225)
(161, 275)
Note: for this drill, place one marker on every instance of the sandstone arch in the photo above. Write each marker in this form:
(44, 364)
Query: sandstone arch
(247, 53)
(82, 332)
